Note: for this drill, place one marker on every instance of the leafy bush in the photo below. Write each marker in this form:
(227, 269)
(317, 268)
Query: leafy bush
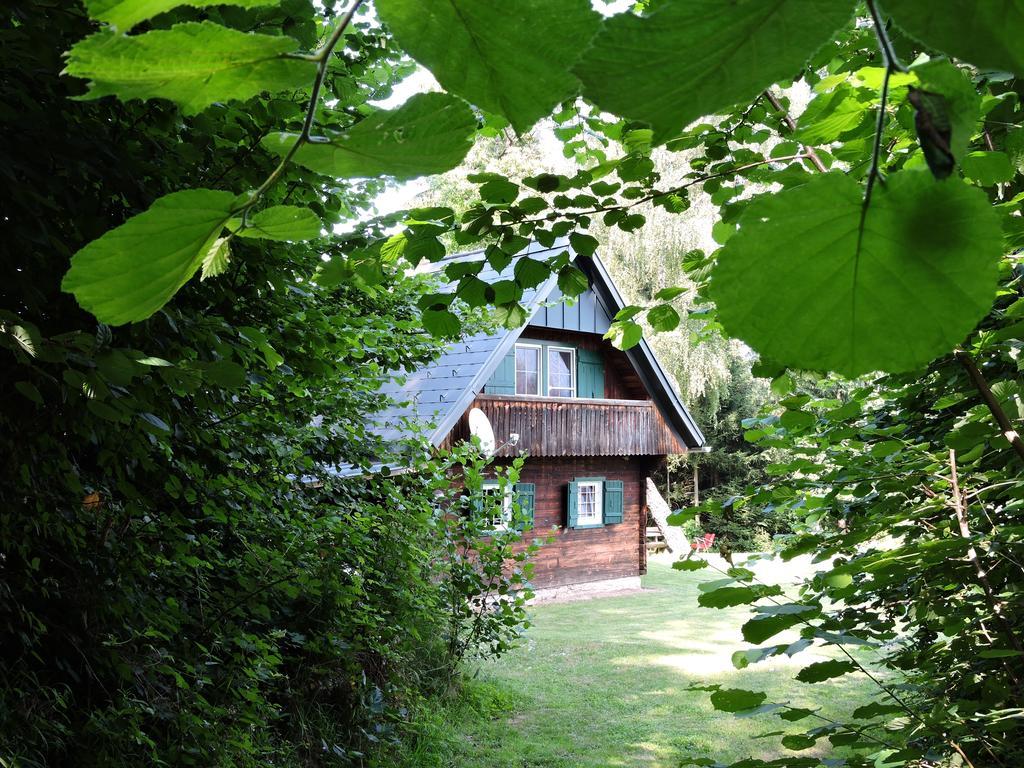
(483, 571)
(181, 581)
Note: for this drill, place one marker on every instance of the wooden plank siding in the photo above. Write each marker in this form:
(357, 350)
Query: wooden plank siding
(589, 554)
(554, 426)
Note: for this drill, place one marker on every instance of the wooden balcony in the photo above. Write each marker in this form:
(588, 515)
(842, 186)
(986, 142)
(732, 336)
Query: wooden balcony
(555, 426)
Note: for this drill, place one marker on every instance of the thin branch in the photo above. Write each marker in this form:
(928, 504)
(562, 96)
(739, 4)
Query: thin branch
(322, 57)
(859, 731)
(876, 152)
(981, 384)
(892, 61)
(892, 64)
(811, 152)
(997, 605)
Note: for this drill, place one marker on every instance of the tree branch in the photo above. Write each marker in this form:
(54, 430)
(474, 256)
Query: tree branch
(997, 606)
(981, 384)
(892, 64)
(888, 52)
(322, 57)
(790, 124)
(672, 190)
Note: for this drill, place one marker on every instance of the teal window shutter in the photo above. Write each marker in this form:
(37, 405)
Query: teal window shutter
(573, 504)
(613, 501)
(525, 496)
(590, 374)
(503, 380)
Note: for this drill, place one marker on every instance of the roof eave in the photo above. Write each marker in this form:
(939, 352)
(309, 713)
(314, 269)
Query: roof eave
(645, 361)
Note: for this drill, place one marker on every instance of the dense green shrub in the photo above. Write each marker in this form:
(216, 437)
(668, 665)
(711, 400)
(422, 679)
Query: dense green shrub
(181, 582)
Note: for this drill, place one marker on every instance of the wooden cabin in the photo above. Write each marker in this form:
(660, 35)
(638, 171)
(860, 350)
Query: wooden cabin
(592, 420)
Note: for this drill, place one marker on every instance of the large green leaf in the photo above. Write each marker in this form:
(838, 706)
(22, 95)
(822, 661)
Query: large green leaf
(125, 14)
(192, 64)
(727, 597)
(825, 670)
(692, 58)
(510, 58)
(131, 271)
(288, 223)
(775, 619)
(736, 699)
(807, 285)
(984, 32)
(430, 133)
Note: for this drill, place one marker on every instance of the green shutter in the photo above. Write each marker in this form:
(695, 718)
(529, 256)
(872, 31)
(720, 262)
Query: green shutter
(589, 373)
(573, 504)
(503, 381)
(613, 501)
(525, 496)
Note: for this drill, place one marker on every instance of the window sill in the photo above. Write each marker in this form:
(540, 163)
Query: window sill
(586, 527)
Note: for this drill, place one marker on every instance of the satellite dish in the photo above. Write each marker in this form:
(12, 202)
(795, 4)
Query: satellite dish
(480, 428)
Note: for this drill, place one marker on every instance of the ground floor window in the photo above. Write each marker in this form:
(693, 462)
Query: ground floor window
(595, 502)
(497, 506)
(589, 507)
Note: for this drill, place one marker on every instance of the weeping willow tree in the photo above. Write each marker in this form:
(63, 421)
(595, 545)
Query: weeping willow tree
(713, 374)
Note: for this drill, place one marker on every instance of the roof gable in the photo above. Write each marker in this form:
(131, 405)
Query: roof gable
(438, 394)
(586, 314)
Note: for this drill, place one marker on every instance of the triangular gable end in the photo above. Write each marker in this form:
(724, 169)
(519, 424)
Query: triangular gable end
(441, 393)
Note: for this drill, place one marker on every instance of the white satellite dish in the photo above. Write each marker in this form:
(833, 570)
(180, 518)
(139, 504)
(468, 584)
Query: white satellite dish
(480, 428)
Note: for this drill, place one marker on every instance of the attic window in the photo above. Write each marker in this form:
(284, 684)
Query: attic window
(561, 372)
(527, 369)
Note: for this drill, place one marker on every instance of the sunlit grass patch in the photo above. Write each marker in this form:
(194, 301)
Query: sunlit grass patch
(603, 682)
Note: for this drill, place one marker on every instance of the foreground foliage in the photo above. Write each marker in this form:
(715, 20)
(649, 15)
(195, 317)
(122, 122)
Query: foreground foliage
(908, 497)
(870, 234)
(181, 581)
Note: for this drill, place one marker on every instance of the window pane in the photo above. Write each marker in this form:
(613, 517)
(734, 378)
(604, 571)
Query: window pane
(589, 505)
(527, 370)
(526, 383)
(496, 509)
(560, 373)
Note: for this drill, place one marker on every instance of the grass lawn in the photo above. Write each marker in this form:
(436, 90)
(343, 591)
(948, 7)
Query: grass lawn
(602, 683)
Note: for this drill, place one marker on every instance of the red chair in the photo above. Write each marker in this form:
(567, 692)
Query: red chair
(704, 543)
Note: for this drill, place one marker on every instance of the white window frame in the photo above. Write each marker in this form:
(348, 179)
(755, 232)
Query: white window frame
(572, 370)
(506, 506)
(598, 519)
(540, 368)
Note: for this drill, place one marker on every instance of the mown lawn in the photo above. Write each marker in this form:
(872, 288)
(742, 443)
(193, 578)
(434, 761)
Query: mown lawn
(603, 683)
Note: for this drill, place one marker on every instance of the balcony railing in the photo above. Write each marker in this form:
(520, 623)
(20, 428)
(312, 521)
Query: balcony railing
(555, 426)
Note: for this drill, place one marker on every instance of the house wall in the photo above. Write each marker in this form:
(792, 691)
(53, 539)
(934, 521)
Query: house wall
(591, 554)
(621, 381)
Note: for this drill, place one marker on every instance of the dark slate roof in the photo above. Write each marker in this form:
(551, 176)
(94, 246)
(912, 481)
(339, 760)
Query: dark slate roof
(437, 395)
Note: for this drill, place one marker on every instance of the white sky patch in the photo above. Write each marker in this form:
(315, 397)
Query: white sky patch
(611, 7)
(420, 81)
(400, 196)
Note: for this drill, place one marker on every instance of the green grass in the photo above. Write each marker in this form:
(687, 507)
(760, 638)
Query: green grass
(603, 683)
